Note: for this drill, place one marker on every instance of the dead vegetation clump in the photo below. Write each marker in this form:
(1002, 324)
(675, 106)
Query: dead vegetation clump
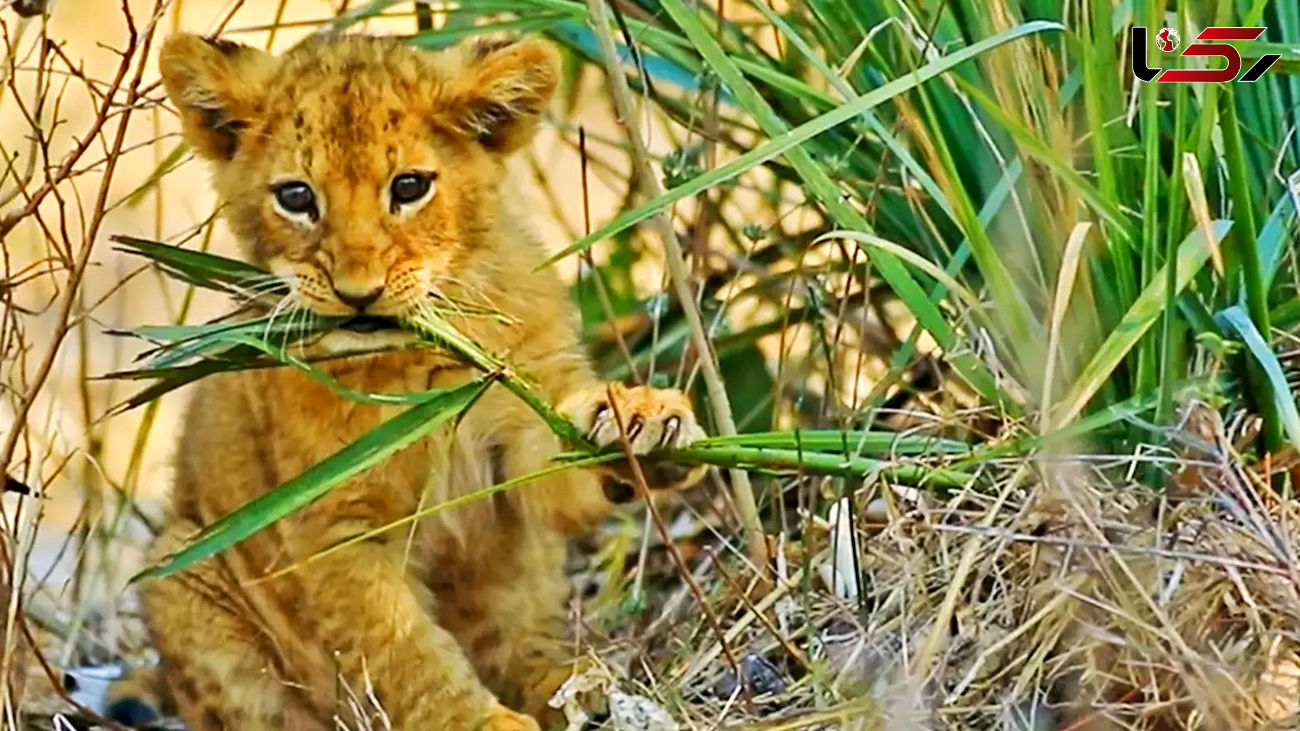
(1059, 595)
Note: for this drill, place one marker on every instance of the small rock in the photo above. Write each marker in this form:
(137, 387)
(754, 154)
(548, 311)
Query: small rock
(876, 512)
(760, 675)
(631, 712)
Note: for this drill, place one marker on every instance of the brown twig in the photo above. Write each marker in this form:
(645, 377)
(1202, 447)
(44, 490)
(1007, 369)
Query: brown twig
(742, 491)
(135, 42)
(666, 536)
(598, 282)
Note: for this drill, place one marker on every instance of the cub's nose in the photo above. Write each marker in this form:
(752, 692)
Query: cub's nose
(358, 300)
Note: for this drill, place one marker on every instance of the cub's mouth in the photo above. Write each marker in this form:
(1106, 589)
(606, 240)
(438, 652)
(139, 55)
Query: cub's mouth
(370, 324)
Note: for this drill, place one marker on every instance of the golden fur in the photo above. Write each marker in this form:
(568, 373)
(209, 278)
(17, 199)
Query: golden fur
(454, 625)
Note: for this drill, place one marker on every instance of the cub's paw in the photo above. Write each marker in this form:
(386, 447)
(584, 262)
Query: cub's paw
(651, 418)
(500, 718)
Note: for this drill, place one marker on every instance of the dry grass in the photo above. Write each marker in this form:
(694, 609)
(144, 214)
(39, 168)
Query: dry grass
(1073, 598)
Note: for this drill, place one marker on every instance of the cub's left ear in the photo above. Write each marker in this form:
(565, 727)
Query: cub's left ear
(217, 86)
(507, 85)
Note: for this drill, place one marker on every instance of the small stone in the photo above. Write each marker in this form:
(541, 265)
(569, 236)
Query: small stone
(760, 675)
(877, 511)
(631, 712)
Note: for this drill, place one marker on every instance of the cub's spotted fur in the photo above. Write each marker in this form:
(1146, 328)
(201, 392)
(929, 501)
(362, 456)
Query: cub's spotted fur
(370, 174)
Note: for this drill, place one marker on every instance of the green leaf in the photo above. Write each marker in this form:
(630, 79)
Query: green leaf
(793, 138)
(170, 379)
(1192, 255)
(1236, 318)
(373, 447)
(200, 269)
(179, 344)
(233, 276)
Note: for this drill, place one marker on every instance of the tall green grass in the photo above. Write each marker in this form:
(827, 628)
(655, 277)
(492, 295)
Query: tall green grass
(983, 170)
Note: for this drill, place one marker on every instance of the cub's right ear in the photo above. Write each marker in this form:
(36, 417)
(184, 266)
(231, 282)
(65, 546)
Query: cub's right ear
(218, 87)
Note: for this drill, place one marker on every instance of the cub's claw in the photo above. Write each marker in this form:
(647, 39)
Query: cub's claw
(651, 418)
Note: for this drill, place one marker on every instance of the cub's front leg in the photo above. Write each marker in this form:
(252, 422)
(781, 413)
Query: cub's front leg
(650, 418)
(377, 622)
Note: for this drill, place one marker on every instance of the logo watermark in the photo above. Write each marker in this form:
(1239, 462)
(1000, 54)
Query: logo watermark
(1167, 41)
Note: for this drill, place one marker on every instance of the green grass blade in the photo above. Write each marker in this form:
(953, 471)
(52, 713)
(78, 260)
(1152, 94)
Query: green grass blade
(876, 243)
(891, 142)
(180, 344)
(787, 461)
(167, 380)
(1271, 246)
(1192, 255)
(819, 181)
(445, 334)
(1236, 318)
(232, 275)
(792, 138)
(1035, 147)
(831, 440)
(452, 34)
(169, 163)
(1244, 253)
(195, 267)
(373, 447)
(453, 503)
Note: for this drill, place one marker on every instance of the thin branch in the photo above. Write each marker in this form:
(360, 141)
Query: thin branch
(643, 490)
(651, 186)
(70, 296)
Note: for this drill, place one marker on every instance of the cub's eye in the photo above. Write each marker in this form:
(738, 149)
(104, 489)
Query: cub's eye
(296, 197)
(410, 187)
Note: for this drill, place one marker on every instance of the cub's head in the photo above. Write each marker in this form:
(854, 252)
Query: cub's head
(362, 169)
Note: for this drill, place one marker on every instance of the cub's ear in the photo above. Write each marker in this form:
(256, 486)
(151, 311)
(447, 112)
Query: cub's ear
(217, 85)
(507, 85)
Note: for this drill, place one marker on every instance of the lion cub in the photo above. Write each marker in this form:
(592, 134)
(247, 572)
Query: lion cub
(370, 174)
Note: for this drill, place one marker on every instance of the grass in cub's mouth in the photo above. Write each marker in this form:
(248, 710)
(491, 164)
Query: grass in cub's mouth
(181, 354)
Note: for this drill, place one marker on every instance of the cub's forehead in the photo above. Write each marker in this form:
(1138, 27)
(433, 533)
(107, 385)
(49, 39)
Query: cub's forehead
(355, 99)
(352, 80)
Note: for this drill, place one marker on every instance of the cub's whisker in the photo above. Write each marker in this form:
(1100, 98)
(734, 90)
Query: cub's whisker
(280, 308)
(287, 338)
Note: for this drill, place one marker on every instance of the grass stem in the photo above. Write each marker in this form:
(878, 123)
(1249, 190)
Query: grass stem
(717, 392)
